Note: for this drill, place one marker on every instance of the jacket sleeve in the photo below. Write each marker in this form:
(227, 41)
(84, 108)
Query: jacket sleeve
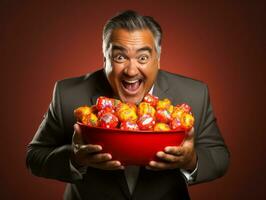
(49, 152)
(213, 155)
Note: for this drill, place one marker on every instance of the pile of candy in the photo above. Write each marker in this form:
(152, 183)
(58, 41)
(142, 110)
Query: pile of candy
(150, 114)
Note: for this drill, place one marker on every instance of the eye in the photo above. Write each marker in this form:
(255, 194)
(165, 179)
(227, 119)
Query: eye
(143, 59)
(119, 58)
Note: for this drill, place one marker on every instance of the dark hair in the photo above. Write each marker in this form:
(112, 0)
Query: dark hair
(131, 20)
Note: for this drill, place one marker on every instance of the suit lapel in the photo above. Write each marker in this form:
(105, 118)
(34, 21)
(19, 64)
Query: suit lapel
(102, 88)
(161, 86)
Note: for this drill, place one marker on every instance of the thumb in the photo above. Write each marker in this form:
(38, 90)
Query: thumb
(190, 134)
(77, 136)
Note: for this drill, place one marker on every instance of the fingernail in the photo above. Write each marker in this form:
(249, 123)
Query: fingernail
(152, 163)
(159, 154)
(167, 149)
(99, 148)
(122, 167)
(117, 163)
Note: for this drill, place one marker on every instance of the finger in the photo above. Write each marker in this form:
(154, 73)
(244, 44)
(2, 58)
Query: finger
(87, 149)
(153, 165)
(77, 137)
(190, 134)
(99, 157)
(110, 165)
(167, 157)
(175, 150)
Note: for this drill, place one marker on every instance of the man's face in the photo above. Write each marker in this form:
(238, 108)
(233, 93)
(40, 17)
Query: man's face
(131, 63)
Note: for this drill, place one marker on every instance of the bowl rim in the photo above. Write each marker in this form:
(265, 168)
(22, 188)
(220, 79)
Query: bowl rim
(134, 131)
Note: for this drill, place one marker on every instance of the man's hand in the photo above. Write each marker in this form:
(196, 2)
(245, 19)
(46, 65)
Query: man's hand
(183, 157)
(88, 155)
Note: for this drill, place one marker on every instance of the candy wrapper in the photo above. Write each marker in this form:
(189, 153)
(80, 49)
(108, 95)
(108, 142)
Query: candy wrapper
(161, 127)
(145, 108)
(146, 122)
(106, 110)
(187, 121)
(127, 125)
(82, 113)
(108, 120)
(127, 115)
(150, 99)
(163, 115)
(92, 120)
(103, 102)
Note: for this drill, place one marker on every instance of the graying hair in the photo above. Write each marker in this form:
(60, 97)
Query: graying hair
(131, 20)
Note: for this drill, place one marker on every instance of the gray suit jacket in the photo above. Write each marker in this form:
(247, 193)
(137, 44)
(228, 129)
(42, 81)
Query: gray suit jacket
(49, 151)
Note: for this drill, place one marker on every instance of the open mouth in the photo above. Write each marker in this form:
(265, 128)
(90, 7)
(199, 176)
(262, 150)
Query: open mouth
(132, 86)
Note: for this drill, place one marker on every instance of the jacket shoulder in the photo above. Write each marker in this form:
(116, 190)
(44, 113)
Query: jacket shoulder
(179, 81)
(88, 79)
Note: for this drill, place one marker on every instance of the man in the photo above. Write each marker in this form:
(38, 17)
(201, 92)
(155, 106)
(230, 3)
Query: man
(131, 48)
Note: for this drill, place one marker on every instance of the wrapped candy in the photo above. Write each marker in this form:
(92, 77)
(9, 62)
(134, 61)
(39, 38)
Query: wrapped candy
(127, 115)
(180, 109)
(108, 120)
(185, 107)
(116, 102)
(103, 102)
(163, 115)
(123, 106)
(150, 99)
(81, 113)
(106, 110)
(92, 120)
(132, 106)
(127, 125)
(161, 127)
(146, 122)
(163, 104)
(187, 121)
(145, 108)
(175, 124)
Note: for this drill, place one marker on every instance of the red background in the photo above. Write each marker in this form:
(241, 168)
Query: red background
(222, 44)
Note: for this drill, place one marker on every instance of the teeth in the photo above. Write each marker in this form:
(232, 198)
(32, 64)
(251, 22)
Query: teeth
(133, 81)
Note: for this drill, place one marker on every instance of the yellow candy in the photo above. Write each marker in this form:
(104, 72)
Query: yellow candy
(146, 109)
(161, 127)
(187, 120)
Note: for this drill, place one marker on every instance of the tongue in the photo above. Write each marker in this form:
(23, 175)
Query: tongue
(132, 86)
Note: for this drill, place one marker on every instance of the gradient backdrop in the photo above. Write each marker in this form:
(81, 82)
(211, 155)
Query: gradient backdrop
(222, 44)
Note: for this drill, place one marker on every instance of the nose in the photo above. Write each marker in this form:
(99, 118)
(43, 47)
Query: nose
(131, 69)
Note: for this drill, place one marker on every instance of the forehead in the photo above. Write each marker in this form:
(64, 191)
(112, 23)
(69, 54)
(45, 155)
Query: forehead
(132, 39)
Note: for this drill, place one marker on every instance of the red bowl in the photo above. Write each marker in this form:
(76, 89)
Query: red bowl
(131, 147)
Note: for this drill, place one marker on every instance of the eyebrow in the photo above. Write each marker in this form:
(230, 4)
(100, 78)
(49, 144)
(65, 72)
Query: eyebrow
(146, 48)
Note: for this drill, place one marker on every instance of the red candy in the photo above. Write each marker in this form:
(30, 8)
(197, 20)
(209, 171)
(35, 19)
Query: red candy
(105, 110)
(175, 124)
(146, 122)
(103, 102)
(129, 126)
(150, 99)
(108, 120)
(163, 115)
